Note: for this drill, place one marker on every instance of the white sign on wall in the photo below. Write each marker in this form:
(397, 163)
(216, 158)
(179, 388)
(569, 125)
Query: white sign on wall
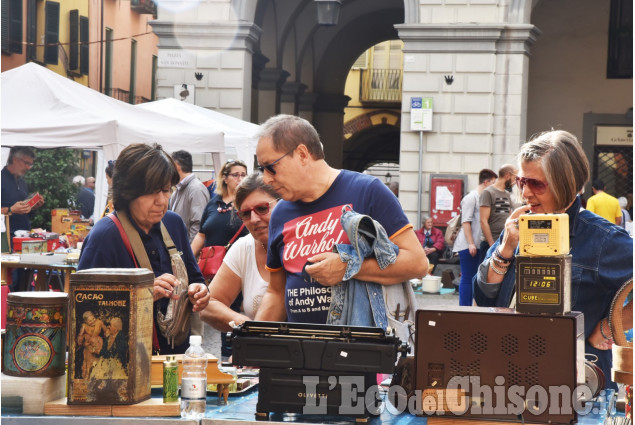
(421, 113)
(174, 58)
(614, 135)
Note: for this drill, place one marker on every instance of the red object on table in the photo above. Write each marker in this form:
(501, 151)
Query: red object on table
(51, 244)
(17, 242)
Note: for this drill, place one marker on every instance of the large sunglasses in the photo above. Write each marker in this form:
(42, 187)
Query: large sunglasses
(537, 187)
(269, 167)
(260, 209)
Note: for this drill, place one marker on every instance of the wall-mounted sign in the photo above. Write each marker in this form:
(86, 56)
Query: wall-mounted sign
(174, 58)
(614, 135)
(421, 113)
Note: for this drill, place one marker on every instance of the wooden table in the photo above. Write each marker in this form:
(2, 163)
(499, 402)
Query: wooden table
(41, 279)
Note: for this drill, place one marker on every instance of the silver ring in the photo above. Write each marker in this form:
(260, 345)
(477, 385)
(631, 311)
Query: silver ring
(515, 220)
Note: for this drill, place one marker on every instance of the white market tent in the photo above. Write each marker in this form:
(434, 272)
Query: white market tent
(45, 110)
(240, 136)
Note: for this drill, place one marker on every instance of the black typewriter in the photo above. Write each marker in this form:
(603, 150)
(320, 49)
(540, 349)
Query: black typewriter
(315, 369)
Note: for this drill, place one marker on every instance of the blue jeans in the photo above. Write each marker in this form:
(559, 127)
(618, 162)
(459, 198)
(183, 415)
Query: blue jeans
(469, 267)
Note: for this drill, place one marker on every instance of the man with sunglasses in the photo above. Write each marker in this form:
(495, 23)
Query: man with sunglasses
(305, 225)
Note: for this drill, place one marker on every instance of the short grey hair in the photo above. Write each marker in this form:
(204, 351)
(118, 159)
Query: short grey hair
(563, 161)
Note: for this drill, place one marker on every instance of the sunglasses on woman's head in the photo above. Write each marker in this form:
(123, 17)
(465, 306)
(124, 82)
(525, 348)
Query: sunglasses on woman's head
(537, 187)
(260, 209)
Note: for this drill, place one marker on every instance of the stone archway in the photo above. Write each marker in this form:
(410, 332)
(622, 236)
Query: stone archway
(374, 137)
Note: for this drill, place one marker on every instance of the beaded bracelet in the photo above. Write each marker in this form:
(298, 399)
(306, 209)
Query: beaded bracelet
(496, 270)
(499, 255)
(500, 263)
(602, 331)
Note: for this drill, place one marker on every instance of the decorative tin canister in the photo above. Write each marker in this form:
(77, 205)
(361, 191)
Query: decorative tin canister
(35, 341)
(110, 336)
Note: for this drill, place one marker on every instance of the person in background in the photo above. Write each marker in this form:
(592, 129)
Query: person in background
(190, 197)
(220, 223)
(552, 171)
(110, 168)
(627, 223)
(15, 207)
(306, 224)
(15, 190)
(141, 185)
(85, 195)
(495, 206)
(243, 267)
(604, 204)
(432, 240)
(470, 235)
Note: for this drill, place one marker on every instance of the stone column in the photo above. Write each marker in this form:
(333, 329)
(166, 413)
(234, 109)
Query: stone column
(290, 92)
(474, 75)
(214, 57)
(305, 105)
(328, 120)
(510, 90)
(269, 83)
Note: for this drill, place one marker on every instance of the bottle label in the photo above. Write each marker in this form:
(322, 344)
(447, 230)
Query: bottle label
(194, 388)
(170, 383)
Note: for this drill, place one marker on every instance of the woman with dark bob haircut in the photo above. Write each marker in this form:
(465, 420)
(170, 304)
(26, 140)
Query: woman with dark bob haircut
(553, 169)
(141, 183)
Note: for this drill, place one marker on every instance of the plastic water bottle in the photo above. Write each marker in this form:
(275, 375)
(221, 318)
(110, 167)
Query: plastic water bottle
(194, 380)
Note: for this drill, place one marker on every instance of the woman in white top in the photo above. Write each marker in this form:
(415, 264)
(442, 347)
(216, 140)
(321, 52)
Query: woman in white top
(243, 267)
(469, 238)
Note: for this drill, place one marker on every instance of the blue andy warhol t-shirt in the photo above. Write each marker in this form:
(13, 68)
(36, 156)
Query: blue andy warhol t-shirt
(300, 230)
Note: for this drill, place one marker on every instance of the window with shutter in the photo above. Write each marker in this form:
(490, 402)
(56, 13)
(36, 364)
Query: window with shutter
(108, 62)
(51, 32)
(73, 48)
(11, 26)
(83, 47)
(362, 61)
(4, 25)
(31, 29)
(133, 70)
(620, 51)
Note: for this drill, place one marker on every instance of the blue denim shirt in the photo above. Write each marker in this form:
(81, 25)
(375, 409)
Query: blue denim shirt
(360, 303)
(602, 261)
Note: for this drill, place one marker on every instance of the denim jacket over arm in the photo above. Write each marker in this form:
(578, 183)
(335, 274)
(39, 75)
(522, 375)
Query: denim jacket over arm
(602, 261)
(361, 303)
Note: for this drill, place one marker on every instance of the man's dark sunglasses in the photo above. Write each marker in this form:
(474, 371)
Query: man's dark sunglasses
(269, 167)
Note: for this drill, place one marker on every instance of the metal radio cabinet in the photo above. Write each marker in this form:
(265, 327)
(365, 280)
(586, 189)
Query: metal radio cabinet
(502, 349)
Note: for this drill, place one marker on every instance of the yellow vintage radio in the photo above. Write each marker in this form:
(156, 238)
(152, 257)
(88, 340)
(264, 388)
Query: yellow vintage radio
(543, 234)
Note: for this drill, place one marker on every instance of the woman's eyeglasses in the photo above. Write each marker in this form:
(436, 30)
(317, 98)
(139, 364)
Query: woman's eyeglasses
(238, 175)
(269, 167)
(260, 209)
(537, 187)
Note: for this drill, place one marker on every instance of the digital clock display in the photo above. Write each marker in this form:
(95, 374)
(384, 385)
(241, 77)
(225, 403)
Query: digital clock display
(539, 284)
(539, 224)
